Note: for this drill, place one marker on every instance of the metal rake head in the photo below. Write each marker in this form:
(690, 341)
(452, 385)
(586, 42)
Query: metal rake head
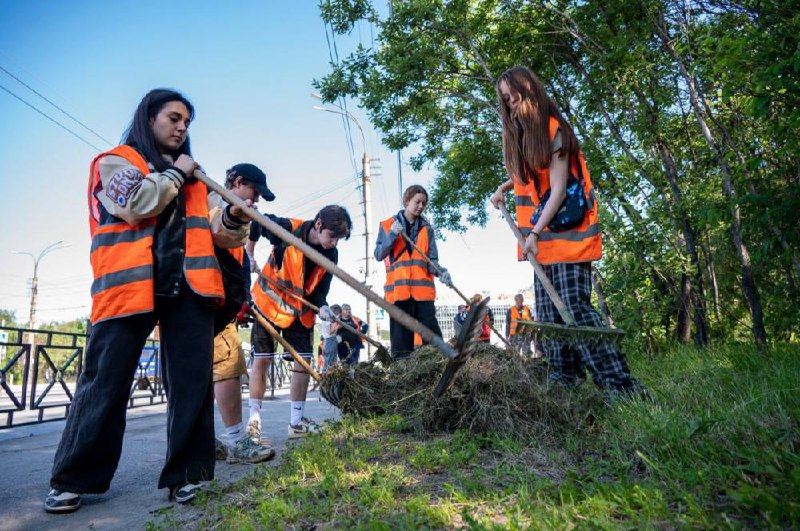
(573, 336)
(466, 343)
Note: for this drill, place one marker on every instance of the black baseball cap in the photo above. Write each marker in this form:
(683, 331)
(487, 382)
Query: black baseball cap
(253, 174)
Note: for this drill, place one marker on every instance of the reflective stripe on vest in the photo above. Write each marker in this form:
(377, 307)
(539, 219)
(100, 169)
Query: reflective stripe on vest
(270, 295)
(122, 254)
(524, 314)
(407, 275)
(581, 244)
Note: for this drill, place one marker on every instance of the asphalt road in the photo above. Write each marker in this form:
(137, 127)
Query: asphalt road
(26, 457)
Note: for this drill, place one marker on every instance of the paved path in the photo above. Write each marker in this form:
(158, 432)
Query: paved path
(26, 457)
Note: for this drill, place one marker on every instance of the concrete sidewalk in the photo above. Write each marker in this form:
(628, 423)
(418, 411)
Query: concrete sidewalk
(26, 458)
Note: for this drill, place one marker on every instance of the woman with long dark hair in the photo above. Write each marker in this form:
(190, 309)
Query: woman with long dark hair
(153, 262)
(541, 153)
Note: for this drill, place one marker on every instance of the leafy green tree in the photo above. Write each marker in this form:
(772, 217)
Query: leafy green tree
(686, 113)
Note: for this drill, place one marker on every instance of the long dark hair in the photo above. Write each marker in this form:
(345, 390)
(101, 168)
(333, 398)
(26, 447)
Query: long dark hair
(139, 133)
(526, 133)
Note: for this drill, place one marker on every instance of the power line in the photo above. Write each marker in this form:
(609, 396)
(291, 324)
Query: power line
(333, 53)
(62, 126)
(57, 107)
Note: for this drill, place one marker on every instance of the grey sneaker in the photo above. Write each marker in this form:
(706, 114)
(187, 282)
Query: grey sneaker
(220, 450)
(254, 430)
(184, 493)
(312, 426)
(59, 501)
(297, 431)
(246, 451)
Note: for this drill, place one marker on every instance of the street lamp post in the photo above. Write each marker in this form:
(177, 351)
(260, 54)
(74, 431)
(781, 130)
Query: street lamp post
(366, 182)
(35, 281)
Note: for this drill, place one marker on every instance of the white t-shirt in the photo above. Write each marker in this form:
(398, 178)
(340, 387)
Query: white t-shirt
(329, 329)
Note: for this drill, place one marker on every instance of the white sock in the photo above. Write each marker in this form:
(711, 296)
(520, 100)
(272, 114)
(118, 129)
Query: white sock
(235, 434)
(255, 409)
(297, 412)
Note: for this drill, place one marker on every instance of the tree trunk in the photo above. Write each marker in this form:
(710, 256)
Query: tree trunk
(712, 275)
(597, 283)
(749, 288)
(683, 323)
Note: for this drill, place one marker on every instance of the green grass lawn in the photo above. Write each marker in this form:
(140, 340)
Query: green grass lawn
(717, 447)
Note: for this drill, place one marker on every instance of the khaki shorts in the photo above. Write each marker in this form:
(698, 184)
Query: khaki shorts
(228, 355)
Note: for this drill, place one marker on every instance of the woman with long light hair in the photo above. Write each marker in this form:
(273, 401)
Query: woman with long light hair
(542, 158)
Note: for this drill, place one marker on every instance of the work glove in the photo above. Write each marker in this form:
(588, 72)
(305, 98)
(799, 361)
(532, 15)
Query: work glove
(444, 277)
(253, 264)
(397, 227)
(325, 313)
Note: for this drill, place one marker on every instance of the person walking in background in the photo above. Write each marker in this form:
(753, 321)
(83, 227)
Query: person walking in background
(541, 152)
(288, 271)
(459, 318)
(331, 339)
(249, 183)
(153, 260)
(515, 313)
(409, 277)
(353, 341)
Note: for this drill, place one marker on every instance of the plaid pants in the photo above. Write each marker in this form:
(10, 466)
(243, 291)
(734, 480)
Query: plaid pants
(568, 362)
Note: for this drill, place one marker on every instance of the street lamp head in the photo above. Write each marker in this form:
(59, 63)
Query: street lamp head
(318, 108)
(316, 96)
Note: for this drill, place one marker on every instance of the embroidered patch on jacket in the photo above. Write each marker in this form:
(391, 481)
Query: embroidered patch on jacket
(122, 184)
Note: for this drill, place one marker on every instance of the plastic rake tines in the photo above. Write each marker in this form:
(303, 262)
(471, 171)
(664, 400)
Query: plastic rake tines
(466, 344)
(572, 335)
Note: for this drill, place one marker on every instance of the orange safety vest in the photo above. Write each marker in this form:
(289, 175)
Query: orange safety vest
(407, 275)
(122, 255)
(486, 331)
(417, 340)
(580, 244)
(238, 254)
(272, 296)
(524, 314)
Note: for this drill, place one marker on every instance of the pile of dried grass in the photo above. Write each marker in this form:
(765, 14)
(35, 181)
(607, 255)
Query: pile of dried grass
(496, 392)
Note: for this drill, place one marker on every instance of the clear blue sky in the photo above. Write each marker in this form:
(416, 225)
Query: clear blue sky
(248, 67)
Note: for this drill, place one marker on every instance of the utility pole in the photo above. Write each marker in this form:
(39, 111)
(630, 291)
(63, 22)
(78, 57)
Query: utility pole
(400, 176)
(366, 192)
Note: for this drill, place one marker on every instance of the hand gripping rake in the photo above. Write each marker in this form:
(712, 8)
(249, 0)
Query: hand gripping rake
(570, 331)
(451, 286)
(381, 353)
(456, 356)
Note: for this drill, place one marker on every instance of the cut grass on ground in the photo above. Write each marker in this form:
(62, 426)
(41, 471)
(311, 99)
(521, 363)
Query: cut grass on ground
(716, 448)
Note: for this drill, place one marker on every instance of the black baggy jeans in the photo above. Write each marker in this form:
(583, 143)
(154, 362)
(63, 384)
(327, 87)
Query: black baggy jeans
(401, 337)
(91, 443)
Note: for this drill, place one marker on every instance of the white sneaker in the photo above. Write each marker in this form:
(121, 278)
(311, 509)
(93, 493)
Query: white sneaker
(254, 430)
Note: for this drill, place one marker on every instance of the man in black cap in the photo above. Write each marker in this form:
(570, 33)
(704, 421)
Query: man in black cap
(249, 183)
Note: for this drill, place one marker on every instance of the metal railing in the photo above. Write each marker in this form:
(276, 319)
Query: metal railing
(39, 370)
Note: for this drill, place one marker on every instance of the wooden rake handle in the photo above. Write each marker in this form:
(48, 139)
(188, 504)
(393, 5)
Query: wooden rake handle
(451, 286)
(285, 344)
(315, 309)
(393, 311)
(540, 274)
